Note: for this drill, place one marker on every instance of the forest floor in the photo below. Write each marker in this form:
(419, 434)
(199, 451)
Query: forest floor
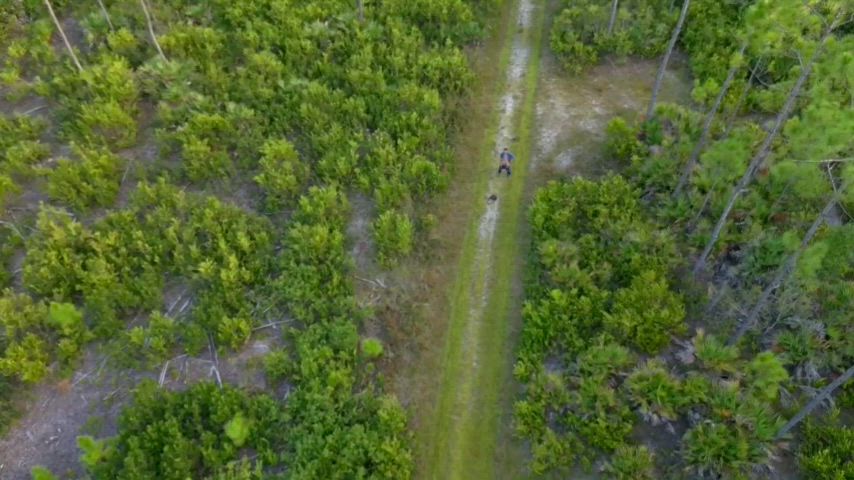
(453, 316)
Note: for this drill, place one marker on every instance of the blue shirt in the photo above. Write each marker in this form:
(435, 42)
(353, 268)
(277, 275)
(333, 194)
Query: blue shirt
(509, 157)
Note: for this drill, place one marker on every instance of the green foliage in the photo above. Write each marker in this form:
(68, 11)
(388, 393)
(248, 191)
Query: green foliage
(764, 375)
(732, 397)
(714, 356)
(242, 470)
(121, 262)
(20, 158)
(372, 348)
(712, 447)
(238, 429)
(20, 152)
(362, 104)
(282, 175)
(646, 313)
(656, 392)
(8, 407)
(278, 365)
(154, 342)
(106, 123)
(35, 333)
(190, 434)
(92, 180)
(825, 451)
(93, 451)
(393, 236)
(313, 282)
(580, 32)
(600, 267)
(622, 142)
(41, 473)
(100, 104)
(631, 463)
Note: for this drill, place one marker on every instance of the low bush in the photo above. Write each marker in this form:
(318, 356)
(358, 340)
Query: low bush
(191, 434)
(282, 174)
(580, 34)
(825, 451)
(393, 233)
(91, 179)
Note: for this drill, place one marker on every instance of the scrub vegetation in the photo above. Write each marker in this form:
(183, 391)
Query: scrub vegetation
(183, 180)
(685, 313)
(214, 145)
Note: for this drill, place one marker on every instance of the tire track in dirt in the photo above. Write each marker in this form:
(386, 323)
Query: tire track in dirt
(465, 433)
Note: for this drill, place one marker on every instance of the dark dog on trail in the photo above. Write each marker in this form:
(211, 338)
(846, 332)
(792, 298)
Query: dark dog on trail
(492, 198)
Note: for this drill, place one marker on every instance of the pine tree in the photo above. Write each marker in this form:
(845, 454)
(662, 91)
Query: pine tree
(151, 29)
(783, 272)
(815, 402)
(664, 61)
(615, 4)
(765, 149)
(62, 34)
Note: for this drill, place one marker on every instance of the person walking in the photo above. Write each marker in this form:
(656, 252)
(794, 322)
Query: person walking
(505, 158)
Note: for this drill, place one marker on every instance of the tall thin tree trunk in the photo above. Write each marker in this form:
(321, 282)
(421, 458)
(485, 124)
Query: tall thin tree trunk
(782, 273)
(106, 14)
(815, 402)
(151, 29)
(614, 6)
(707, 127)
(730, 122)
(762, 154)
(361, 9)
(62, 34)
(663, 67)
(692, 225)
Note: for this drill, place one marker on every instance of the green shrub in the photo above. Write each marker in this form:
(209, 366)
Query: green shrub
(190, 434)
(278, 365)
(622, 143)
(154, 342)
(580, 36)
(93, 451)
(238, 429)
(124, 43)
(631, 463)
(323, 205)
(763, 376)
(372, 348)
(7, 188)
(825, 451)
(282, 174)
(202, 162)
(715, 448)
(106, 123)
(91, 180)
(41, 473)
(26, 359)
(393, 237)
(647, 313)
(714, 356)
(735, 438)
(234, 331)
(656, 392)
(22, 156)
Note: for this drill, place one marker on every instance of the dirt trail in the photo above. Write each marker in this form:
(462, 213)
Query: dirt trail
(555, 124)
(464, 435)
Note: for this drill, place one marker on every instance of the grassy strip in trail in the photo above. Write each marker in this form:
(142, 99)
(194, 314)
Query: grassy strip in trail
(437, 438)
(503, 307)
(463, 445)
(457, 211)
